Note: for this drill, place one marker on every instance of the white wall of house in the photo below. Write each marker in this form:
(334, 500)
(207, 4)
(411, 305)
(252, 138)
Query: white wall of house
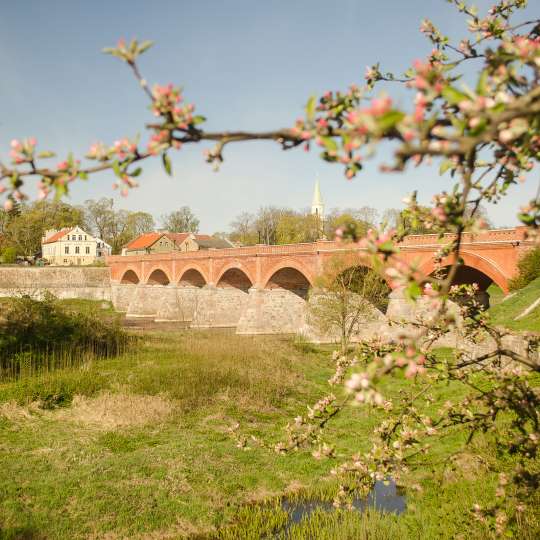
(189, 244)
(76, 247)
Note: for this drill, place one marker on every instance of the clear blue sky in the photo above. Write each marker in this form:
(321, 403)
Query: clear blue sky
(245, 64)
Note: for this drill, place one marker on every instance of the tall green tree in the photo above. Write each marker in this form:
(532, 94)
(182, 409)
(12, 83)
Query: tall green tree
(24, 226)
(100, 216)
(181, 220)
(358, 221)
(295, 227)
(116, 227)
(243, 229)
(140, 222)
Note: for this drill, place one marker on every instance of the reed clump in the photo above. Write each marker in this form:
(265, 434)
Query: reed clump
(45, 334)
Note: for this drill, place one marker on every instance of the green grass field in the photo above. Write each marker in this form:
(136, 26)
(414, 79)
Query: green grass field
(140, 449)
(503, 313)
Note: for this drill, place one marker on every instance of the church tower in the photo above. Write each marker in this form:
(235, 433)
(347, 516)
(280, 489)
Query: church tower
(317, 209)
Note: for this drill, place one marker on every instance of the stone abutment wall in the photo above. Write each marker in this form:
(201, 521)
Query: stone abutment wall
(252, 311)
(64, 282)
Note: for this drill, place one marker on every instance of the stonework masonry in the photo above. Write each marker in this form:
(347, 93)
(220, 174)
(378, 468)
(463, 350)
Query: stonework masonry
(64, 282)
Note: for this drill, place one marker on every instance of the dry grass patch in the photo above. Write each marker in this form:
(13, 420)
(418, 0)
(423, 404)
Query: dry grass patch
(182, 529)
(12, 411)
(112, 411)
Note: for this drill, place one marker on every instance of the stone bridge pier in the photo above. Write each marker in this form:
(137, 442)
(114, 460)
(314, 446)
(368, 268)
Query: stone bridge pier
(272, 311)
(219, 307)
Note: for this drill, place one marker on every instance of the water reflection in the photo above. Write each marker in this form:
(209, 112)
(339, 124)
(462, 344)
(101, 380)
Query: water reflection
(384, 497)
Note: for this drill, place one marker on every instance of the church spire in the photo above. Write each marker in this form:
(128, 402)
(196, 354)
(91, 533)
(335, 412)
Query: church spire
(317, 205)
(317, 208)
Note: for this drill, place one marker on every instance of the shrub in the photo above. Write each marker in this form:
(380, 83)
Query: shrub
(9, 255)
(528, 269)
(43, 333)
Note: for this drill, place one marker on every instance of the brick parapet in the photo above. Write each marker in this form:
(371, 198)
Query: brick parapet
(493, 252)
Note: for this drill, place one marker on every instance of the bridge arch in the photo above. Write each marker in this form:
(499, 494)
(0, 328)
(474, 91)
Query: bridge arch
(157, 276)
(234, 277)
(193, 276)
(288, 263)
(236, 266)
(130, 277)
(289, 276)
(482, 269)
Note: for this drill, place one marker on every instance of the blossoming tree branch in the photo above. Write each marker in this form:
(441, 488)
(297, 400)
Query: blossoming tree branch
(485, 137)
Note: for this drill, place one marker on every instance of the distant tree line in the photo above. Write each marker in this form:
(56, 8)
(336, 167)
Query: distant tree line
(277, 225)
(22, 228)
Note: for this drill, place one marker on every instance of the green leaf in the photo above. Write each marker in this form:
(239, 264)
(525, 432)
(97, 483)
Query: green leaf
(409, 73)
(144, 46)
(413, 290)
(481, 86)
(448, 67)
(330, 144)
(166, 164)
(387, 247)
(61, 190)
(82, 175)
(116, 168)
(46, 154)
(390, 119)
(136, 172)
(445, 165)
(454, 96)
(199, 119)
(327, 157)
(479, 128)
(460, 125)
(108, 50)
(14, 180)
(310, 108)
(526, 218)
(499, 108)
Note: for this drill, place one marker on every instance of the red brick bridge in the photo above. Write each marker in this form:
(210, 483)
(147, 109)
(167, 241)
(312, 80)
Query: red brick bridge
(263, 289)
(488, 257)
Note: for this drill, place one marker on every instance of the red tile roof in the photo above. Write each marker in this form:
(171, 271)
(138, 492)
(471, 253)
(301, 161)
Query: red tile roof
(148, 239)
(56, 236)
(177, 238)
(144, 241)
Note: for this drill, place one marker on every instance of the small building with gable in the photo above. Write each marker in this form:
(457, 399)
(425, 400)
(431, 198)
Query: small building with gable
(163, 242)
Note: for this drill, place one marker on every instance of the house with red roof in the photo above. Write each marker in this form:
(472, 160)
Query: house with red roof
(72, 246)
(163, 242)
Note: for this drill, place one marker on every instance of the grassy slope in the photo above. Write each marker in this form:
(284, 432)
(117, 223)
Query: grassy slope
(504, 313)
(160, 464)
